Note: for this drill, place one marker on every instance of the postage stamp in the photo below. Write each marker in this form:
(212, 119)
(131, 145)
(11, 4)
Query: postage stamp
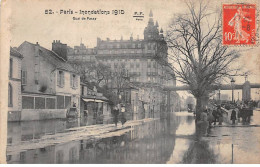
(239, 24)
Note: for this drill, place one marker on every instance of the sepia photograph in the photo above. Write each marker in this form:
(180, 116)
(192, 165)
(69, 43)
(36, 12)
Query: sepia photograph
(130, 82)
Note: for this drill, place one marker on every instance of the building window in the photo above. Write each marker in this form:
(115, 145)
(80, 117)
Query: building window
(149, 46)
(11, 68)
(60, 78)
(50, 103)
(137, 65)
(27, 102)
(73, 81)
(60, 102)
(24, 77)
(39, 103)
(10, 95)
(149, 64)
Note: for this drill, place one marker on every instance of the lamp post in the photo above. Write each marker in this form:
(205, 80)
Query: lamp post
(219, 95)
(232, 86)
(96, 106)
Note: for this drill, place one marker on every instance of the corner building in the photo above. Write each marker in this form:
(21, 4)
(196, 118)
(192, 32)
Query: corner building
(145, 68)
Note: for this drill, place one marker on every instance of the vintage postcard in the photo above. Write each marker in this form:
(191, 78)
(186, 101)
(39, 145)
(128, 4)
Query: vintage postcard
(130, 82)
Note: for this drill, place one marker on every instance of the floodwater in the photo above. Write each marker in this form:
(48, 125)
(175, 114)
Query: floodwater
(150, 142)
(169, 138)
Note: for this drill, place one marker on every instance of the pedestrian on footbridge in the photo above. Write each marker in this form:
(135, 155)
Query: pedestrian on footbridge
(116, 113)
(123, 116)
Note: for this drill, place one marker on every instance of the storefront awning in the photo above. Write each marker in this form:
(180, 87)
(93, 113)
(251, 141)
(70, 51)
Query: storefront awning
(93, 100)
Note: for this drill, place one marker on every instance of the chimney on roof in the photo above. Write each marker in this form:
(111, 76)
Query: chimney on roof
(131, 38)
(108, 39)
(37, 43)
(98, 41)
(60, 49)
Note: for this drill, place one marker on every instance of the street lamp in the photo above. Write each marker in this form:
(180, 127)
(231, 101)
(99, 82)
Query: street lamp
(94, 93)
(219, 95)
(232, 86)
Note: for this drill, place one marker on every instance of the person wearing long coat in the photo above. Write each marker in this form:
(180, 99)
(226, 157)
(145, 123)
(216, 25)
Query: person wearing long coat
(116, 113)
(233, 117)
(211, 118)
(123, 116)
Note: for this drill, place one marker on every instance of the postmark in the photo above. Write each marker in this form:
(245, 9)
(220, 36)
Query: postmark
(239, 24)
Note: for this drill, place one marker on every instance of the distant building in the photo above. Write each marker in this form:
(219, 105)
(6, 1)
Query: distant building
(142, 63)
(49, 85)
(14, 86)
(94, 104)
(81, 53)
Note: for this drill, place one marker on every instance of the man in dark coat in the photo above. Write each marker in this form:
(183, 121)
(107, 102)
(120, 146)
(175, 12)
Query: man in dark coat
(116, 113)
(214, 113)
(233, 117)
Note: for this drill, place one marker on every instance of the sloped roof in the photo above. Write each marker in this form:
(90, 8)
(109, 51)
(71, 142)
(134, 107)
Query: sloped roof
(14, 52)
(54, 58)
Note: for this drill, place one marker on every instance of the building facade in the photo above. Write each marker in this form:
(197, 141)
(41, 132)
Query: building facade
(140, 68)
(14, 86)
(49, 85)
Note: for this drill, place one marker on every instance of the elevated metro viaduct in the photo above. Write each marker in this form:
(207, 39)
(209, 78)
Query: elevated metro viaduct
(215, 87)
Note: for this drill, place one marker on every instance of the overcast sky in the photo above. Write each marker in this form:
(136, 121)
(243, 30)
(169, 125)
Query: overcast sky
(29, 22)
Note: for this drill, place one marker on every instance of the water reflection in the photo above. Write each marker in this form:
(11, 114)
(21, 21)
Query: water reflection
(152, 142)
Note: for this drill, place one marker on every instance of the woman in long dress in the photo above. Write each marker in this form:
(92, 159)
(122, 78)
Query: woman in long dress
(236, 22)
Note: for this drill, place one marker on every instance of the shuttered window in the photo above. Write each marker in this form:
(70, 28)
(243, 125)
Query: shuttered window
(24, 77)
(73, 81)
(60, 79)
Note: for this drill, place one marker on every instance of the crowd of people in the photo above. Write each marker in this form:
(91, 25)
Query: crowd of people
(211, 116)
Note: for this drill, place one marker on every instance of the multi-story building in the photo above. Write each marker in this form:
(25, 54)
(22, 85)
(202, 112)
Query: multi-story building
(14, 86)
(140, 67)
(49, 85)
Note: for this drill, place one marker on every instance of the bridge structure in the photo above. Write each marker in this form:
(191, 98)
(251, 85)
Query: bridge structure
(215, 87)
(246, 89)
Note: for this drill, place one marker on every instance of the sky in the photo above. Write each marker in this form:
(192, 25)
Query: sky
(28, 21)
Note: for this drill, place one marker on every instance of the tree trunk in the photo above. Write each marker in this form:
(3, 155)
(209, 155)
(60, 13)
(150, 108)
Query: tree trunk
(198, 107)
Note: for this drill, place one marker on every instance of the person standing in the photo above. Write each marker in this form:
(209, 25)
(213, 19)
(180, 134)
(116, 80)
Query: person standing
(123, 117)
(220, 116)
(233, 117)
(210, 117)
(116, 113)
(215, 115)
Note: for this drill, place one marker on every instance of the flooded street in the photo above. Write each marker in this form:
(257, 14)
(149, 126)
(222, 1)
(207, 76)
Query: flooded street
(150, 142)
(168, 138)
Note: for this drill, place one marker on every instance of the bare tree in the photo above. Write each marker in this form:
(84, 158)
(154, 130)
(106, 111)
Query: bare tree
(92, 72)
(195, 39)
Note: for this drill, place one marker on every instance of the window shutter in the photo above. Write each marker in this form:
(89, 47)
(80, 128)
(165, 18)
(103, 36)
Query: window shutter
(76, 81)
(63, 81)
(58, 79)
(71, 80)
(25, 77)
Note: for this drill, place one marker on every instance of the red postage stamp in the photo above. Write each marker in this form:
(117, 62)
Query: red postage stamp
(239, 24)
